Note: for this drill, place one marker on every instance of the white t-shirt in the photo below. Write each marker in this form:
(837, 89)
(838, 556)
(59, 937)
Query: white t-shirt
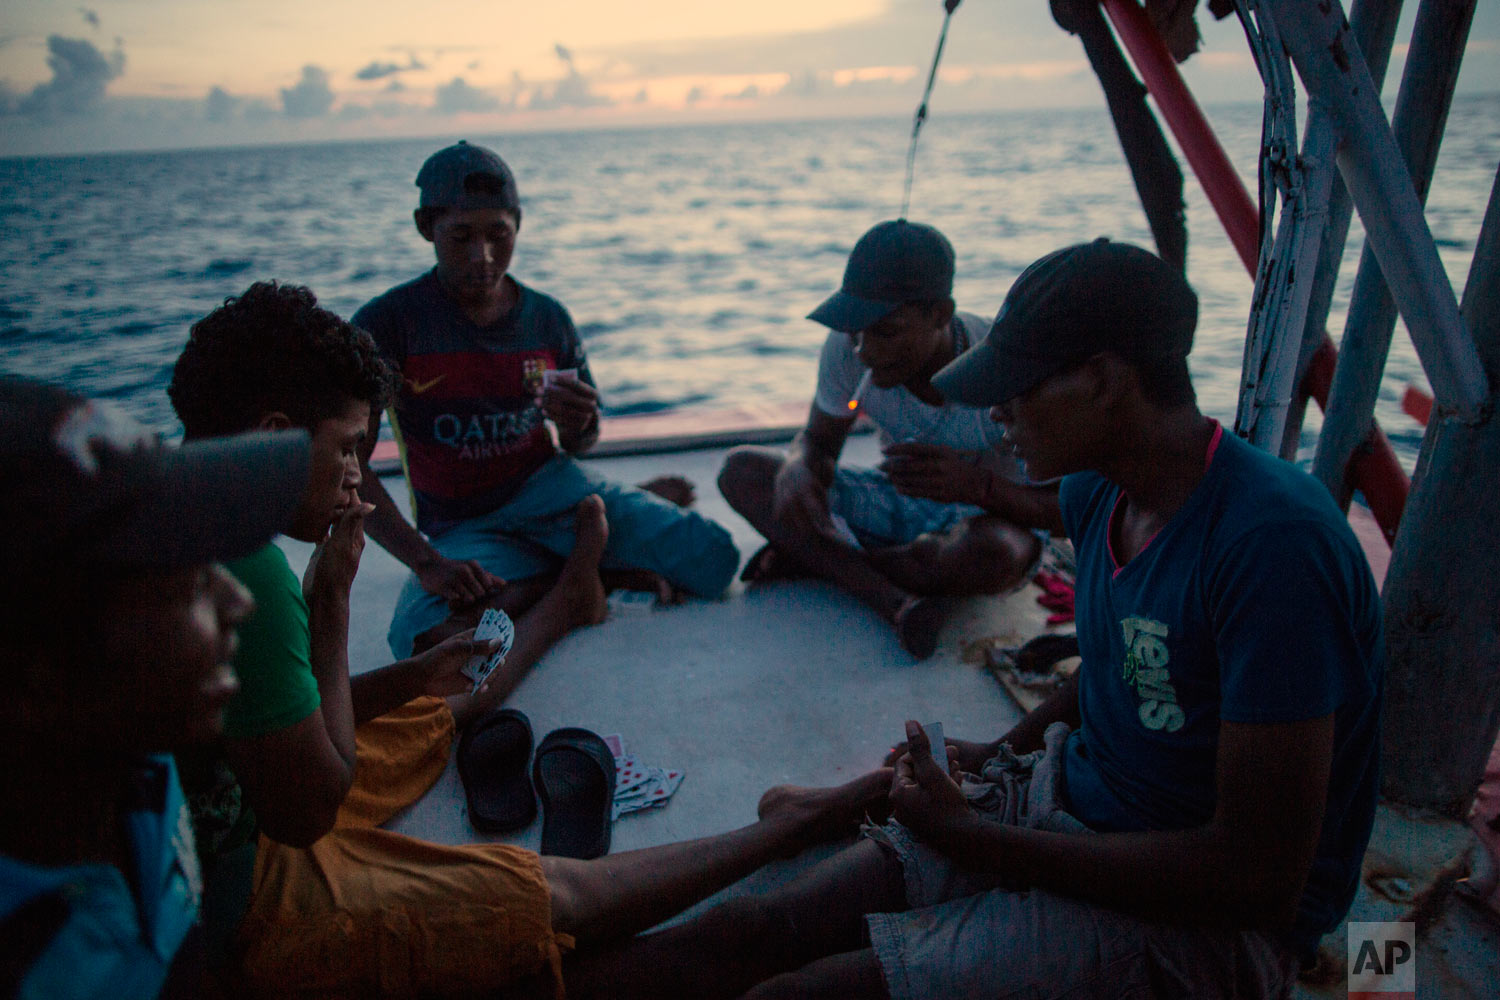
(900, 416)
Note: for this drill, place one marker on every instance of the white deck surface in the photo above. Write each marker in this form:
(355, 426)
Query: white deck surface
(789, 682)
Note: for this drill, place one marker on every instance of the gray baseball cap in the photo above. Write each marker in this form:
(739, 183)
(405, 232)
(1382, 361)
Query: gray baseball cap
(89, 489)
(1069, 306)
(894, 263)
(465, 176)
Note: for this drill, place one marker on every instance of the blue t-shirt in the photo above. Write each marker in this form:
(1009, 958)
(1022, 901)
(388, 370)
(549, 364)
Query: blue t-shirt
(119, 935)
(1254, 604)
(467, 417)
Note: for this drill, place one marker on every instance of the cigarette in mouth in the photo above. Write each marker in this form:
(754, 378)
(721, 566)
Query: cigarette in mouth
(859, 391)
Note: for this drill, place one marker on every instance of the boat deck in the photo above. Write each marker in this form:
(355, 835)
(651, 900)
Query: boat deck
(786, 682)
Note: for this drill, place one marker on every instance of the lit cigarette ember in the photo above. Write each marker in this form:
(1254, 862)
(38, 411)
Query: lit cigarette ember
(859, 391)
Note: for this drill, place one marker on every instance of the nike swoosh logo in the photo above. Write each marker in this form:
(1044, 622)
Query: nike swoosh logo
(418, 388)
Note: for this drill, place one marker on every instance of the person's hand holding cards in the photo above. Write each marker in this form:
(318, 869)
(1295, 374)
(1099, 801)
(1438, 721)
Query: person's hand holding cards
(569, 402)
(498, 632)
(446, 665)
(923, 796)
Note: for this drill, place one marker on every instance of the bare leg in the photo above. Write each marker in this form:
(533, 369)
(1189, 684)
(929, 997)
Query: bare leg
(983, 555)
(746, 482)
(747, 940)
(577, 598)
(853, 975)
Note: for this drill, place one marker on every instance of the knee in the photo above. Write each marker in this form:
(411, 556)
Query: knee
(747, 475)
(992, 558)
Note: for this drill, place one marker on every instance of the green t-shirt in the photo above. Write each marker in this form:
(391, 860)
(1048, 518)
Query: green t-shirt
(277, 687)
(277, 690)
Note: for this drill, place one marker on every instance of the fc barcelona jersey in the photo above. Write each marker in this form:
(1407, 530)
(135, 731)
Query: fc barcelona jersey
(468, 417)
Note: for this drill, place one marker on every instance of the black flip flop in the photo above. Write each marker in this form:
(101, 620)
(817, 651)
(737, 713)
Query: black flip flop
(575, 777)
(492, 755)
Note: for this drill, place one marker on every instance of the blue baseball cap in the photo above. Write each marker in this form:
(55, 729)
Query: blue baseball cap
(465, 176)
(894, 263)
(1069, 306)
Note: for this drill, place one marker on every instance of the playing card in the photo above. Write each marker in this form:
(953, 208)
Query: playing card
(651, 793)
(934, 731)
(629, 774)
(552, 374)
(629, 603)
(616, 744)
(494, 624)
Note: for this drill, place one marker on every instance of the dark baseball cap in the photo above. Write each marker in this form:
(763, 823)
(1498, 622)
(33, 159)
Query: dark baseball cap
(1069, 306)
(88, 489)
(467, 176)
(894, 263)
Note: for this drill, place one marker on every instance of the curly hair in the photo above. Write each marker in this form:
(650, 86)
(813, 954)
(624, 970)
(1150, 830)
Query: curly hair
(274, 349)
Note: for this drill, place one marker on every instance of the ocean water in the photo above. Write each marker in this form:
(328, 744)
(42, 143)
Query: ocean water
(688, 256)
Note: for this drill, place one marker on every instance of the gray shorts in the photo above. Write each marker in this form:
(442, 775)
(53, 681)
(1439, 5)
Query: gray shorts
(968, 935)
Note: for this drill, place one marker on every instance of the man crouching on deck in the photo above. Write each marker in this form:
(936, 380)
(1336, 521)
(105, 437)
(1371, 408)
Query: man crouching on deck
(485, 361)
(1188, 816)
(918, 528)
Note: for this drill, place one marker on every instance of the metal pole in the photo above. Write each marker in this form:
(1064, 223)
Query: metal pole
(1437, 48)
(1333, 69)
(1373, 23)
(1283, 279)
(1199, 144)
(1442, 594)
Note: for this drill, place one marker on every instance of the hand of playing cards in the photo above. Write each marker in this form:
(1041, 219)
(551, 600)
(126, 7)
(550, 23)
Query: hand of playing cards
(638, 786)
(494, 624)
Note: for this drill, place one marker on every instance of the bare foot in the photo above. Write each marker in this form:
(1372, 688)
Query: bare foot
(918, 623)
(677, 489)
(816, 815)
(579, 579)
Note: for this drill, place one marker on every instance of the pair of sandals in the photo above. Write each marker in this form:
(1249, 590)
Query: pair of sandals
(573, 772)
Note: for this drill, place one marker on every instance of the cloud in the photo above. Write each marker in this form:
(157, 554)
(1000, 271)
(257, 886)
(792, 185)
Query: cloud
(220, 105)
(693, 96)
(394, 87)
(311, 97)
(90, 17)
(750, 93)
(378, 71)
(572, 91)
(80, 72)
(456, 97)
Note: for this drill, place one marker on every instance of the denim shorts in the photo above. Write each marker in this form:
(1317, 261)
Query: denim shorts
(969, 935)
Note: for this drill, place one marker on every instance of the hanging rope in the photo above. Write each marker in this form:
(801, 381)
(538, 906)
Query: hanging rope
(949, 6)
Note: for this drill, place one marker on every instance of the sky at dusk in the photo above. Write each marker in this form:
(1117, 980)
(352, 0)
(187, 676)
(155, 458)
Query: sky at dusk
(152, 74)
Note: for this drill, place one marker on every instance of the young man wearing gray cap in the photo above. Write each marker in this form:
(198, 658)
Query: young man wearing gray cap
(485, 361)
(1187, 817)
(117, 627)
(902, 536)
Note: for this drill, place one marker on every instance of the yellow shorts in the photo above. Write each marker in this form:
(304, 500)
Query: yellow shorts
(365, 912)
